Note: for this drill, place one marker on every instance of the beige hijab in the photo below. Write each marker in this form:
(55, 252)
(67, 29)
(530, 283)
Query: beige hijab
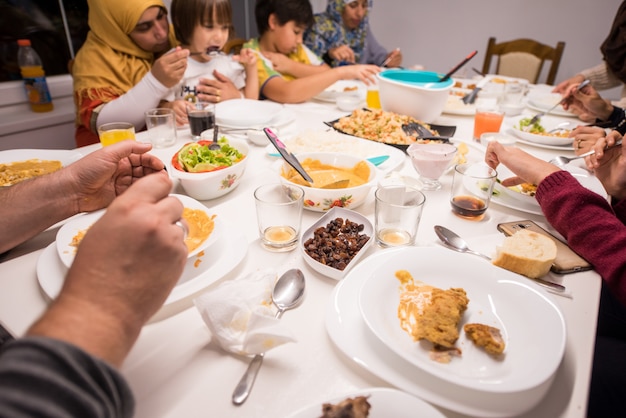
(109, 63)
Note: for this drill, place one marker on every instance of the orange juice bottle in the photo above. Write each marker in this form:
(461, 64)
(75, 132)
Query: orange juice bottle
(34, 78)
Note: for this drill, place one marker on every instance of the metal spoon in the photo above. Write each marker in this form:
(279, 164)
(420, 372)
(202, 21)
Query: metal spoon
(456, 243)
(287, 294)
(561, 160)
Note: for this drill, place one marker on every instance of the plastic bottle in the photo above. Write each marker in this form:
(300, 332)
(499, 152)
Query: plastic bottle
(34, 77)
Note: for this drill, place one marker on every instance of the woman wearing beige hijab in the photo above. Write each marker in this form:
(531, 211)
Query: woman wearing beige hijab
(124, 67)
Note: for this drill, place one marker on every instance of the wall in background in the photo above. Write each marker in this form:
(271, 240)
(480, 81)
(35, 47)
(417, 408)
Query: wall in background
(439, 33)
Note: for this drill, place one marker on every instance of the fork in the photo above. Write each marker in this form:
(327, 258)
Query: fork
(539, 115)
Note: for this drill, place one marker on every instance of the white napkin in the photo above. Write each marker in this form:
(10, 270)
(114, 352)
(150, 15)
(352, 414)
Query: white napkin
(240, 314)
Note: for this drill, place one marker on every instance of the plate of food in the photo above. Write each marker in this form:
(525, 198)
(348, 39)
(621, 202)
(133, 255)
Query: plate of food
(371, 403)
(522, 196)
(429, 308)
(21, 164)
(204, 230)
(387, 127)
(348, 331)
(341, 88)
(455, 105)
(545, 132)
(545, 101)
(334, 141)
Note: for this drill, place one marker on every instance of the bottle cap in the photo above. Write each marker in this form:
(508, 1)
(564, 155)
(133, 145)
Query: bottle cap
(23, 42)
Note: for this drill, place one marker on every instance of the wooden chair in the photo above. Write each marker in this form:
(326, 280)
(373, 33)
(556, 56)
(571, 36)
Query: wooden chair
(523, 58)
(233, 46)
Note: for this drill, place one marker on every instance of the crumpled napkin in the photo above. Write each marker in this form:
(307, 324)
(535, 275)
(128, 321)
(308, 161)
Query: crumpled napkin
(240, 314)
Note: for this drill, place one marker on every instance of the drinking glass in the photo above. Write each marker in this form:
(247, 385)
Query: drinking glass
(472, 187)
(279, 215)
(161, 125)
(488, 118)
(398, 210)
(201, 118)
(111, 133)
(430, 161)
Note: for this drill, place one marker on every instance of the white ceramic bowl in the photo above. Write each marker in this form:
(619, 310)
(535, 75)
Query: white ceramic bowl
(348, 103)
(345, 214)
(214, 184)
(413, 93)
(321, 200)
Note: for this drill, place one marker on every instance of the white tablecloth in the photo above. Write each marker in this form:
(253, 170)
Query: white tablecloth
(174, 373)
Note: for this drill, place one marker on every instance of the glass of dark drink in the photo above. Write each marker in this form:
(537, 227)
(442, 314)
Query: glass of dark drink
(201, 118)
(472, 186)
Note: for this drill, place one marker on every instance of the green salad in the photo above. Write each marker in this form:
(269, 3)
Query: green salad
(196, 157)
(536, 127)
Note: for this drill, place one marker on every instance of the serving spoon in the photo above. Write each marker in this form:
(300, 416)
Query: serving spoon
(456, 243)
(287, 293)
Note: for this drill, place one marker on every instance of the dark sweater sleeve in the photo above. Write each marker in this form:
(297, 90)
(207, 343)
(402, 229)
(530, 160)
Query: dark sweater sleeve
(591, 226)
(43, 377)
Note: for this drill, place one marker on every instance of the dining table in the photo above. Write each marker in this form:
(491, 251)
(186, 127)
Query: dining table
(176, 369)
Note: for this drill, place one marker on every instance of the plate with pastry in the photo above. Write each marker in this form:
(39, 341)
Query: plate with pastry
(370, 403)
(464, 326)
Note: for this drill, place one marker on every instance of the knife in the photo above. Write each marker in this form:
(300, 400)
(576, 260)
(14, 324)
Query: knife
(289, 157)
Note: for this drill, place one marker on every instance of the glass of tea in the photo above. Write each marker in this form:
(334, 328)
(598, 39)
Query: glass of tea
(201, 118)
(279, 215)
(472, 186)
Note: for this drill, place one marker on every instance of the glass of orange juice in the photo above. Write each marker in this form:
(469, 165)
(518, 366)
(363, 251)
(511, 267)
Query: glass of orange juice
(111, 133)
(488, 118)
(372, 98)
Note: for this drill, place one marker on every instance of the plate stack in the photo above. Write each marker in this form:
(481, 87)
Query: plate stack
(362, 321)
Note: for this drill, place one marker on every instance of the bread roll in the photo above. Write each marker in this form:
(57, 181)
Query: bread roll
(526, 252)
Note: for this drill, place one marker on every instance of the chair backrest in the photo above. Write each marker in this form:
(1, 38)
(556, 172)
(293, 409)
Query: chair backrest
(523, 58)
(233, 46)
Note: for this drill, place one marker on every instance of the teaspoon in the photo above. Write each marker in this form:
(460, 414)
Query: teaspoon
(456, 243)
(287, 294)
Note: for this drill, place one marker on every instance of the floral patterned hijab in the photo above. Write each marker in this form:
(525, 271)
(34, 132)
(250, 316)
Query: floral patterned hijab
(109, 63)
(614, 46)
(328, 31)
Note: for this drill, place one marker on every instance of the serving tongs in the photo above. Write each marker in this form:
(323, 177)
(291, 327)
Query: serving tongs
(470, 97)
(288, 156)
(419, 131)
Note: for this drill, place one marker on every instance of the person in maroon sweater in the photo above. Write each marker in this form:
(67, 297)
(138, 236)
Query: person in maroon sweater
(595, 229)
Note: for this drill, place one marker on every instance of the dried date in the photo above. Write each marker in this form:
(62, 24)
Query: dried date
(337, 243)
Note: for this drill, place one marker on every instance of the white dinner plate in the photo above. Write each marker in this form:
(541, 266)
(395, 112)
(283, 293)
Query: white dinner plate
(199, 272)
(548, 124)
(513, 200)
(337, 89)
(385, 403)
(491, 289)
(246, 113)
(66, 157)
(333, 141)
(544, 101)
(537, 145)
(67, 232)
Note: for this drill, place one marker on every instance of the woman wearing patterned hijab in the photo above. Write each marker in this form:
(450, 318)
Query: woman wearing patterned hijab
(341, 35)
(123, 69)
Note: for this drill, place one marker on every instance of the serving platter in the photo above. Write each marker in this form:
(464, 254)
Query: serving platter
(200, 271)
(445, 131)
(385, 403)
(349, 332)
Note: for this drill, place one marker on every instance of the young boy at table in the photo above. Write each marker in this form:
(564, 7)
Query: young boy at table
(203, 26)
(288, 71)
